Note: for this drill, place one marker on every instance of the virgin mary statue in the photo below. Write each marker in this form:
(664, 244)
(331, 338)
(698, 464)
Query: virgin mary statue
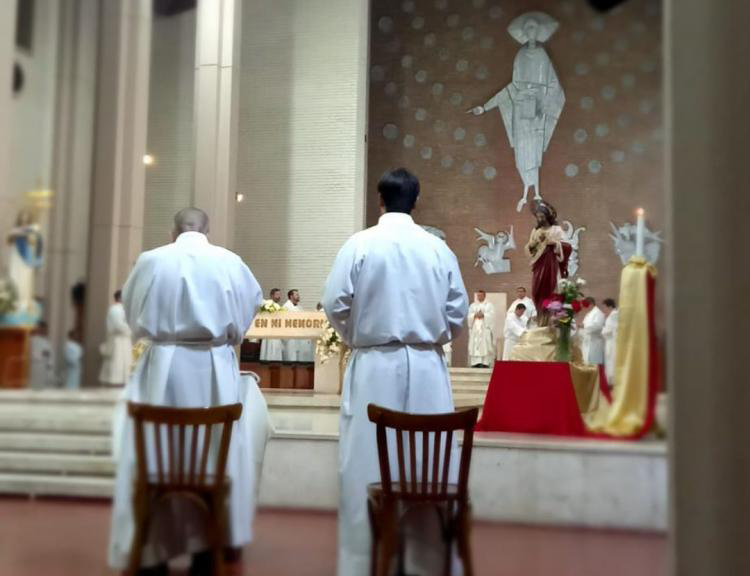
(25, 241)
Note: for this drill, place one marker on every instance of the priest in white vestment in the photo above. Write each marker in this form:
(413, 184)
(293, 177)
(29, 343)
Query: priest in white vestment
(515, 326)
(118, 347)
(481, 332)
(73, 356)
(592, 341)
(272, 349)
(194, 302)
(609, 333)
(396, 296)
(522, 298)
(296, 350)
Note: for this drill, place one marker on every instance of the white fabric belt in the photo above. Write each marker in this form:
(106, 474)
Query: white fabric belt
(192, 343)
(421, 346)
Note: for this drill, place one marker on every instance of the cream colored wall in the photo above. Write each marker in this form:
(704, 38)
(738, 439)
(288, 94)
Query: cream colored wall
(169, 182)
(301, 139)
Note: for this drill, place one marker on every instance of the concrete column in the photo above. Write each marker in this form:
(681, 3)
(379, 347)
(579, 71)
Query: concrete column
(217, 52)
(7, 52)
(708, 127)
(67, 245)
(118, 176)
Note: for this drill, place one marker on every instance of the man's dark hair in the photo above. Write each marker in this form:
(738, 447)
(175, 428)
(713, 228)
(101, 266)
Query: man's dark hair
(289, 294)
(399, 190)
(521, 288)
(482, 291)
(274, 290)
(610, 303)
(590, 300)
(78, 293)
(520, 306)
(118, 295)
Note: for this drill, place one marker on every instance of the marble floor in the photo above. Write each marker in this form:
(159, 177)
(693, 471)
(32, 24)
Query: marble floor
(68, 537)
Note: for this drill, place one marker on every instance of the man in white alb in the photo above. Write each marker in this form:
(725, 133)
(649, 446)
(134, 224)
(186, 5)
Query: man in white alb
(481, 332)
(272, 349)
(395, 294)
(609, 333)
(522, 298)
(515, 326)
(296, 350)
(193, 302)
(118, 347)
(592, 341)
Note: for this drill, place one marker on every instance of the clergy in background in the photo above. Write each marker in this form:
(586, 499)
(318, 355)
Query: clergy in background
(117, 350)
(609, 333)
(272, 349)
(522, 298)
(396, 296)
(193, 302)
(515, 326)
(592, 341)
(296, 350)
(481, 332)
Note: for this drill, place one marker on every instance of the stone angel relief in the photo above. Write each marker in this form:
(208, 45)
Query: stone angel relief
(532, 103)
(624, 243)
(570, 235)
(490, 255)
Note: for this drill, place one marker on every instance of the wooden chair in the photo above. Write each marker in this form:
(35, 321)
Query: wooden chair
(181, 472)
(422, 485)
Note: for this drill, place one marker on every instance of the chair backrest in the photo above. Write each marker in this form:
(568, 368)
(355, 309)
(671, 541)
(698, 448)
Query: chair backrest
(432, 448)
(183, 430)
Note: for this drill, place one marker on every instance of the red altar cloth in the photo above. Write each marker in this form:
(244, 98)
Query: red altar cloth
(533, 398)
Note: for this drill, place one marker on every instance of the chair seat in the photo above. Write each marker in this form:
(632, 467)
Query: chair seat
(376, 490)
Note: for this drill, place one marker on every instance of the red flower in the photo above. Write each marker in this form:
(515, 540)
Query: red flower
(576, 306)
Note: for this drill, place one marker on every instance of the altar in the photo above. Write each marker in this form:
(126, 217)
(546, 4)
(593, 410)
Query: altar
(321, 376)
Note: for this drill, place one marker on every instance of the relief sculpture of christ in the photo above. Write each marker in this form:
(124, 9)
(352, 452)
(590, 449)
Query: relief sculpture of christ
(531, 104)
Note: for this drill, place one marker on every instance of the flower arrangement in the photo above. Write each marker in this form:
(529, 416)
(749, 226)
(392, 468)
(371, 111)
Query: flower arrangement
(8, 296)
(567, 301)
(271, 307)
(329, 343)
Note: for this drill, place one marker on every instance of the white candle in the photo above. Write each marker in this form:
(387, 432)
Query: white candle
(640, 232)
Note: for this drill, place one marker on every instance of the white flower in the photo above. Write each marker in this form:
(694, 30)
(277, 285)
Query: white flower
(580, 282)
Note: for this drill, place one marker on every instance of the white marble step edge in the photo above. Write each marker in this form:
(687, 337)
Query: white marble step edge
(50, 463)
(56, 485)
(56, 443)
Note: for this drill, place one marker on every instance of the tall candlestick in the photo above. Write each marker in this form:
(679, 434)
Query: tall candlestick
(640, 232)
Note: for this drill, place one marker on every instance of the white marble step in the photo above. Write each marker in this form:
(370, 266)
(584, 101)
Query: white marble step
(68, 419)
(56, 485)
(51, 463)
(59, 443)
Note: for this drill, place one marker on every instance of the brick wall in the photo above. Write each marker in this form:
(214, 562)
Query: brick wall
(431, 60)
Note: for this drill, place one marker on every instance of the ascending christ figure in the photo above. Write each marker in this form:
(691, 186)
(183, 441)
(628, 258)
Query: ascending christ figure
(531, 104)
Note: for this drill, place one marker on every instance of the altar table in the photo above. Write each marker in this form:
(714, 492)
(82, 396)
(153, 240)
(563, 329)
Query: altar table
(534, 398)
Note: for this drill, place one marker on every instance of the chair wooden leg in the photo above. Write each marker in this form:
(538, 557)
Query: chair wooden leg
(140, 523)
(217, 538)
(388, 539)
(464, 542)
(375, 533)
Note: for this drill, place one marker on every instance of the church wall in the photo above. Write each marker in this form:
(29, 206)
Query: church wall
(301, 138)
(169, 181)
(431, 60)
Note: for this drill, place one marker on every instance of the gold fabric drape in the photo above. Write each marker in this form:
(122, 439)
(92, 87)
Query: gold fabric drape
(630, 397)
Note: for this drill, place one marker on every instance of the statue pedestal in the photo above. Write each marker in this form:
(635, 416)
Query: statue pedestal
(14, 356)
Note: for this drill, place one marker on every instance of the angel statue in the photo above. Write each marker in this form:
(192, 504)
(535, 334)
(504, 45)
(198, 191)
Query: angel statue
(531, 104)
(623, 239)
(570, 235)
(490, 255)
